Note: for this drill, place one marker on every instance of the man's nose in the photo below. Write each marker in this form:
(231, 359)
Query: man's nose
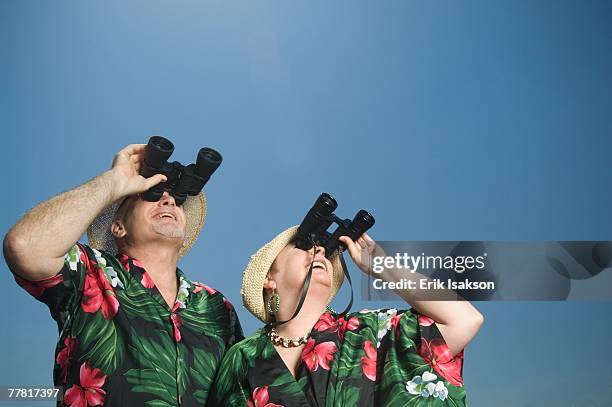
(167, 199)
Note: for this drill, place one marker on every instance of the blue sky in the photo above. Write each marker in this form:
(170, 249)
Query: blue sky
(447, 120)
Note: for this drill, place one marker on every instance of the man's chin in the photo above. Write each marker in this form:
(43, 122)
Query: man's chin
(170, 232)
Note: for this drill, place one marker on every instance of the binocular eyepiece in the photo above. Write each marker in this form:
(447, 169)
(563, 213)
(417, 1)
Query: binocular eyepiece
(313, 229)
(182, 180)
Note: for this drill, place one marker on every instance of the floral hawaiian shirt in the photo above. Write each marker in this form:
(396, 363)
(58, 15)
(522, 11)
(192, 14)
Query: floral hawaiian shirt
(121, 345)
(371, 358)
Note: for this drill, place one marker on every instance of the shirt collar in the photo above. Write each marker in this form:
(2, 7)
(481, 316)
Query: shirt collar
(138, 272)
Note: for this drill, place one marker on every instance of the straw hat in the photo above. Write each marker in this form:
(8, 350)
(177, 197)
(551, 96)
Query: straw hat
(256, 271)
(101, 238)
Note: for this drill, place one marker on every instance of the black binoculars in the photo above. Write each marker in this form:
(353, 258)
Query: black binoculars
(182, 180)
(313, 229)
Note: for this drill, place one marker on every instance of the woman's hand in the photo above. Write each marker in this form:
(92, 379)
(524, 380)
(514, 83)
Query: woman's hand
(362, 250)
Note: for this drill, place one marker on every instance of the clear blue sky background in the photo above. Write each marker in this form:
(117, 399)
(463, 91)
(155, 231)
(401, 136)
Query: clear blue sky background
(481, 120)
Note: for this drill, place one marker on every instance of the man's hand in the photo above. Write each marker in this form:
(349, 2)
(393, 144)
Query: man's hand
(362, 250)
(126, 172)
(35, 247)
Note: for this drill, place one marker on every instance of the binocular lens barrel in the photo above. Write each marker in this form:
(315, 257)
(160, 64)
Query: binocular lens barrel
(316, 220)
(313, 228)
(326, 204)
(157, 152)
(181, 180)
(362, 221)
(207, 162)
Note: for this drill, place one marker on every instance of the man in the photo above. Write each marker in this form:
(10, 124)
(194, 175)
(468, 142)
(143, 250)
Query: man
(133, 329)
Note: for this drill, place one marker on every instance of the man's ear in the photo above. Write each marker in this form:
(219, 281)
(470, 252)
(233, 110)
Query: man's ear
(117, 229)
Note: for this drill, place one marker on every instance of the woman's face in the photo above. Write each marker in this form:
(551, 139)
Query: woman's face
(289, 271)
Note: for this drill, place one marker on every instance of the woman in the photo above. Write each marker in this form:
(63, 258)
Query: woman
(320, 358)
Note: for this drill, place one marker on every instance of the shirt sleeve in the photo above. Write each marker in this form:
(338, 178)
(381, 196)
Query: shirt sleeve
(63, 291)
(228, 387)
(236, 334)
(411, 329)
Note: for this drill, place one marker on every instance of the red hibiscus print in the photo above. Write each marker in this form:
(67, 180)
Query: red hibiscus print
(99, 294)
(261, 398)
(395, 323)
(36, 288)
(64, 357)
(368, 362)
(424, 320)
(328, 323)
(125, 261)
(177, 321)
(146, 280)
(82, 255)
(320, 355)
(325, 322)
(90, 392)
(439, 356)
(200, 287)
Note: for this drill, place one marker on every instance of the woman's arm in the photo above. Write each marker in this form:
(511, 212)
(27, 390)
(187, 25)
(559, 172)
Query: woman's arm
(458, 320)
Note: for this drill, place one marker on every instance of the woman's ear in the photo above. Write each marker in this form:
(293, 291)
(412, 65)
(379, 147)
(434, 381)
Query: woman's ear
(117, 229)
(269, 283)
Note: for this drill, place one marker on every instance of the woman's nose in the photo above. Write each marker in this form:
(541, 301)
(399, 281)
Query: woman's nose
(319, 250)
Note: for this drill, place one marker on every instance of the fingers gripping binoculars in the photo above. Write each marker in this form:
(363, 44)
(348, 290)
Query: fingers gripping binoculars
(313, 229)
(182, 180)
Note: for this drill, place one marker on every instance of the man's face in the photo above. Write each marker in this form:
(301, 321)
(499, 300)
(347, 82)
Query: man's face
(142, 221)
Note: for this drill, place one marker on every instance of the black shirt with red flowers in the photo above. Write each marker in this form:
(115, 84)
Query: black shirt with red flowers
(120, 343)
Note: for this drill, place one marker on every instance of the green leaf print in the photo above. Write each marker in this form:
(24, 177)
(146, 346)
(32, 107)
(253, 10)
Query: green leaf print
(407, 328)
(456, 392)
(136, 300)
(216, 316)
(289, 385)
(232, 367)
(349, 361)
(157, 357)
(202, 372)
(158, 403)
(342, 395)
(102, 341)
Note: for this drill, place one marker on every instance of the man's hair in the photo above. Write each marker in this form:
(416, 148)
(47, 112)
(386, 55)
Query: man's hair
(124, 208)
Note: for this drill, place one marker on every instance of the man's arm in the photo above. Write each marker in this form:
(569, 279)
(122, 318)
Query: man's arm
(35, 246)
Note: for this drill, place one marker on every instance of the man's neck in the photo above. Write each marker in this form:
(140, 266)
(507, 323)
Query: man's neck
(160, 263)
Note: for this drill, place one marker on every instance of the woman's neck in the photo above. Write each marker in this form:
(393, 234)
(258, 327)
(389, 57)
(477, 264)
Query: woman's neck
(303, 323)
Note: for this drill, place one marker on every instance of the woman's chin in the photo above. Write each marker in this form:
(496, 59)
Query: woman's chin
(320, 284)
